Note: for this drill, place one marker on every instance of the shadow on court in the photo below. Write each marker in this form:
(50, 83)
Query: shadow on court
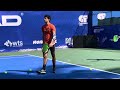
(105, 59)
(62, 72)
(83, 64)
(48, 68)
(116, 70)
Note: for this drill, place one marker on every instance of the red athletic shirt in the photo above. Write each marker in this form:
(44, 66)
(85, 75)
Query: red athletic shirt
(47, 30)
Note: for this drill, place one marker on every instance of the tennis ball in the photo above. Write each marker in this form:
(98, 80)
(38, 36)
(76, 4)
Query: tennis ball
(30, 69)
(5, 72)
(91, 69)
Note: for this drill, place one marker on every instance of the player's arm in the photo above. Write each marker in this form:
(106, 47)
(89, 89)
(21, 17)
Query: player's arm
(53, 41)
(43, 38)
(54, 32)
(42, 35)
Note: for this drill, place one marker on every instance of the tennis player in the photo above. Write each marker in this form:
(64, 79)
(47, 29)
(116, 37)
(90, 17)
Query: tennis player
(49, 38)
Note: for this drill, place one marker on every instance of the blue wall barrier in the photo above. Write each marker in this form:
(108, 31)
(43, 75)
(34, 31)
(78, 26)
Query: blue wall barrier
(22, 29)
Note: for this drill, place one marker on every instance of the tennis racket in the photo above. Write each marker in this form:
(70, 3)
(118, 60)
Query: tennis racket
(45, 48)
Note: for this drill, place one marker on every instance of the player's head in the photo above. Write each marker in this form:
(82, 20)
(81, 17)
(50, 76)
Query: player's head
(47, 18)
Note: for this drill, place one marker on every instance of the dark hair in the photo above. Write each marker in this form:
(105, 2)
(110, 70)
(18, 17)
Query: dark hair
(48, 16)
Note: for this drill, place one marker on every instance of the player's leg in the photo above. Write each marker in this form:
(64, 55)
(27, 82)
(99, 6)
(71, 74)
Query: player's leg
(43, 70)
(45, 56)
(45, 50)
(52, 49)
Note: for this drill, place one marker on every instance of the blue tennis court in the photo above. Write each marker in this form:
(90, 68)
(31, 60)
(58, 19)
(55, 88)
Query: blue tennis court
(25, 67)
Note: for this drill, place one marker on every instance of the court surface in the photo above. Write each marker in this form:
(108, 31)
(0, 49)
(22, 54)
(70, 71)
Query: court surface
(25, 67)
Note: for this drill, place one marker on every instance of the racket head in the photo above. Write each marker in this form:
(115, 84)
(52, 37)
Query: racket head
(45, 48)
(115, 38)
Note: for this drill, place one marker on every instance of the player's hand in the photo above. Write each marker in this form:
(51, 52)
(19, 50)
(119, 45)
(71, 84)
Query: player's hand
(52, 43)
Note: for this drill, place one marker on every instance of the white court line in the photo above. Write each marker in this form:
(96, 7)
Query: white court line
(78, 65)
(14, 56)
